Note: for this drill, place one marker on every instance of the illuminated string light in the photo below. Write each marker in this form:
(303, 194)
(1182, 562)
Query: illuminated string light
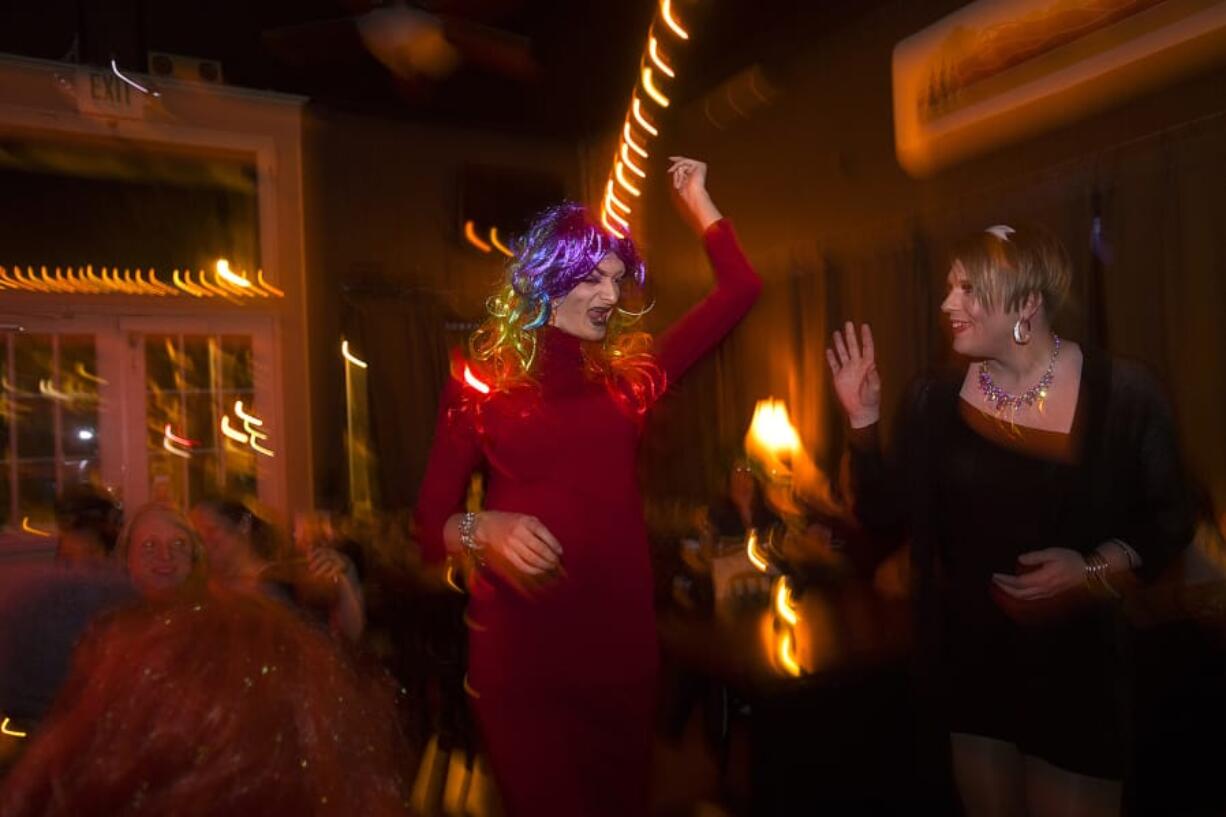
(604, 219)
(30, 529)
(624, 224)
(498, 245)
(272, 290)
(628, 138)
(652, 91)
(472, 380)
(247, 418)
(450, 578)
(611, 197)
(350, 356)
(787, 654)
(666, 13)
(81, 372)
(628, 162)
(620, 175)
(169, 434)
(225, 273)
(174, 449)
(10, 731)
(653, 51)
(755, 555)
(470, 233)
(115, 70)
(636, 109)
(784, 605)
(232, 433)
(225, 283)
(254, 442)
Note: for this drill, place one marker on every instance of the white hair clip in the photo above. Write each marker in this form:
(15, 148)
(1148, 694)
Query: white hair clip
(1001, 231)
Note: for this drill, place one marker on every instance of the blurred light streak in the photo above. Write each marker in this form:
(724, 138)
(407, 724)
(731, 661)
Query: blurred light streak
(232, 433)
(755, 555)
(470, 233)
(259, 279)
(246, 417)
(787, 653)
(611, 197)
(604, 219)
(28, 528)
(628, 136)
(10, 731)
(228, 275)
(636, 109)
(350, 356)
(653, 50)
(472, 380)
(635, 169)
(498, 245)
(666, 13)
(785, 606)
(651, 89)
(619, 174)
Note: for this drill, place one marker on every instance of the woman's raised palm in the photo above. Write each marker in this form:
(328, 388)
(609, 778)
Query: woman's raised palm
(853, 364)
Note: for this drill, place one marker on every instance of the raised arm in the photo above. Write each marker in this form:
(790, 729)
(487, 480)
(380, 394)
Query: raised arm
(737, 286)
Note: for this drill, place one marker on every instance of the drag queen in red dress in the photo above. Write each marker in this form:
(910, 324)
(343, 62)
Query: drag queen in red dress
(551, 404)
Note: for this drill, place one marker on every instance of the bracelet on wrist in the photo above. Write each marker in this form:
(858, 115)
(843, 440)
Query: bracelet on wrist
(1096, 580)
(468, 538)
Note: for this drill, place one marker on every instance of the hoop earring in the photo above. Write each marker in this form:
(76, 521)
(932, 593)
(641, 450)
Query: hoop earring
(1021, 332)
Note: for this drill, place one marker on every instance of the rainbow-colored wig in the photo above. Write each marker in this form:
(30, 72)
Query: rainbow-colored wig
(560, 249)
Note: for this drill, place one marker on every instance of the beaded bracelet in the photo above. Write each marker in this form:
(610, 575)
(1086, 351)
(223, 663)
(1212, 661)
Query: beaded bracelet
(1096, 575)
(468, 538)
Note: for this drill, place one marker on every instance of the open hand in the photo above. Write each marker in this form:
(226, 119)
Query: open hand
(856, 382)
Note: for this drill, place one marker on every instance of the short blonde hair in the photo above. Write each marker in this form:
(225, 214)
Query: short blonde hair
(1006, 265)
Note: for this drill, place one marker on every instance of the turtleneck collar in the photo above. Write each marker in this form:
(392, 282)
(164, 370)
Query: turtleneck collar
(558, 349)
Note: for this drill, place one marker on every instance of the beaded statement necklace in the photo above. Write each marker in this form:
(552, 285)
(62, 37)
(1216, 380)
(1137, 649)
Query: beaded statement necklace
(1003, 400)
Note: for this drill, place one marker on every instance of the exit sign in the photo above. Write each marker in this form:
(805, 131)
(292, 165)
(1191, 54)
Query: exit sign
(102, 93)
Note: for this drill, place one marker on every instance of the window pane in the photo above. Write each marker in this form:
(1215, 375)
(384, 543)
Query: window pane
(161, 352)
(165, 478)
(203, 477)
(201, 423)
(34, 378)
(78, 379)
(236, 368)
(197, 362)
(79, 472)
(36, 491)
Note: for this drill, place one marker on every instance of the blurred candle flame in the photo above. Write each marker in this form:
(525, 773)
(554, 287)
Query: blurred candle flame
(772, 439)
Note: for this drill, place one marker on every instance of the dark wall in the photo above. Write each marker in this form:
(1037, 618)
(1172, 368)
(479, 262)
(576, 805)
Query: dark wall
(840, 231)
(388, 267)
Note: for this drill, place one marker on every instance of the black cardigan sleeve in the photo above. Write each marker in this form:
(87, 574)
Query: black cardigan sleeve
(881, 480)
(1153, 511)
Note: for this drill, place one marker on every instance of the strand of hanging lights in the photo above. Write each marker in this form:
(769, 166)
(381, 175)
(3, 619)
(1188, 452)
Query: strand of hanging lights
(219, 282)
(647, 101)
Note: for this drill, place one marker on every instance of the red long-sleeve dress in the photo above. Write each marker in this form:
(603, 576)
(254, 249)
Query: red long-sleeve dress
(563, 682)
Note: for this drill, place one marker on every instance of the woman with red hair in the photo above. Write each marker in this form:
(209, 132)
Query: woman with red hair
(218, 703)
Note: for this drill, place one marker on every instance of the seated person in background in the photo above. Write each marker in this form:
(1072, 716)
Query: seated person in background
(742, 508)
(88, 520)
(245, 553)
(213, 703)
(160, 551)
